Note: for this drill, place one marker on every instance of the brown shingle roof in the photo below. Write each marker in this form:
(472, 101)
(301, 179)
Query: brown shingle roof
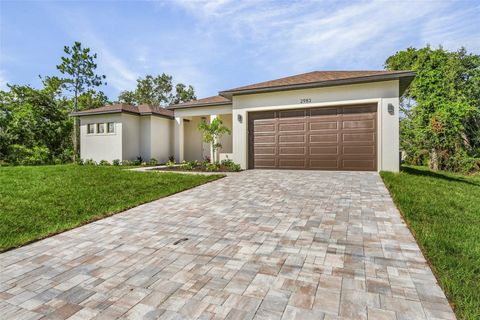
(214, 100)
(318, 77)
(142, 109)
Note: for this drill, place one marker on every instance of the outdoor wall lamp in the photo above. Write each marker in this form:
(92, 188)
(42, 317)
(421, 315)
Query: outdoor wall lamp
(391, 109)
(239, 118)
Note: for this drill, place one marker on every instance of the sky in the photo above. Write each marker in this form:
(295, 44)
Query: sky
(220, 44)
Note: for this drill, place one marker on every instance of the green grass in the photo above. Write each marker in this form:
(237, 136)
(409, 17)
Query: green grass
(443, 212)
(36, 202)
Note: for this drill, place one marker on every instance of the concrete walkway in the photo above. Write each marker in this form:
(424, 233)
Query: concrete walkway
(254, 245)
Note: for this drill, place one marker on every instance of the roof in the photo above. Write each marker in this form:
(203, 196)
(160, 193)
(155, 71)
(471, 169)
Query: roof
(320, 78)
(143, 109)
(209, 101)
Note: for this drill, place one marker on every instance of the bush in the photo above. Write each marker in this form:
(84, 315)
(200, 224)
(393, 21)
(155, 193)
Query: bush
(186, 166)
(127, 162)
(104, 163)
(153, 162)
(79, 161)
(116, 162)
(170, 164)
(89, 162)
(212, 167)
(232, 166)
(21, 155)
(171, 159)
(138, 161)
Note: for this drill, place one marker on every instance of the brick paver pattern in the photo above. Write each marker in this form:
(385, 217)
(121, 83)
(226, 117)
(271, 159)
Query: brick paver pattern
(261, 245)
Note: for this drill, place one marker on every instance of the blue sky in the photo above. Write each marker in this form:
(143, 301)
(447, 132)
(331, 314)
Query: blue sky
(219, 44)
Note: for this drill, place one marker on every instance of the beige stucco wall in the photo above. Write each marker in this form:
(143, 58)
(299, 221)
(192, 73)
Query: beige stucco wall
(131, 136)
(161, 138)
(226, 140)
(193, 144)
(382, 93)
(106, 146)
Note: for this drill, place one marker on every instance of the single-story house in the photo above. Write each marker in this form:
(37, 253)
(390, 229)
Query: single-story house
(322, 120)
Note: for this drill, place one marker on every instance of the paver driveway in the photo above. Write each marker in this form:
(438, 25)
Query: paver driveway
(261, 244)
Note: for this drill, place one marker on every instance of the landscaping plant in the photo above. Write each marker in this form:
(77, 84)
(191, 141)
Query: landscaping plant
(212, 133)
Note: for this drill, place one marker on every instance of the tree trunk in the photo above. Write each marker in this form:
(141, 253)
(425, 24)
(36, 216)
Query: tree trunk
(434, 159)
(75, 130)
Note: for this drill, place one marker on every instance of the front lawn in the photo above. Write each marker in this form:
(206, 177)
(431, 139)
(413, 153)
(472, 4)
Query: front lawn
(443, 212)
(39, 201)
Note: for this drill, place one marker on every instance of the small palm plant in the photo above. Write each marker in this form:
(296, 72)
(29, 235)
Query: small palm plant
(212, 133)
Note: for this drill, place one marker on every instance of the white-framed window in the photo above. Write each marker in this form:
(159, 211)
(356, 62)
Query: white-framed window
(90, 128)
(100, 127)
(110, 127)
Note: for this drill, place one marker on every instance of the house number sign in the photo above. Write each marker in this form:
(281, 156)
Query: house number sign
(305, 100)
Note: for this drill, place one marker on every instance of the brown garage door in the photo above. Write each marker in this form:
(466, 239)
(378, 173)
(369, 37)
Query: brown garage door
(327, 138)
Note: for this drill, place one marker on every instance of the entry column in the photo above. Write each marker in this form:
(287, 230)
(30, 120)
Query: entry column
(179, 140)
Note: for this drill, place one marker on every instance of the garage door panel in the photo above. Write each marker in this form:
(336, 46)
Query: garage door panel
(359, 150)
(358, 164)
(324, 138)
(323, 113)
(295, 163)
(359, 124)
(262, 150)
(324, 150)
(264, 139)
(323, 125)
(327, 138)
(291, 151)
(291, 114)
(282, 127)
(324, 164)
(359, 137)
(291, 138)
(264, 163)
(359, 109)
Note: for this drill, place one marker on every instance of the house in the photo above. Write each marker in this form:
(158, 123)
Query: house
(325, 120)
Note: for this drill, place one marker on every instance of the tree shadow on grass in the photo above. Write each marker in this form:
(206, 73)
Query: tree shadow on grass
(437, 175)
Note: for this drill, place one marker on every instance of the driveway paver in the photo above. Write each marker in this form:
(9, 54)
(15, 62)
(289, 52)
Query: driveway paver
(255, 245)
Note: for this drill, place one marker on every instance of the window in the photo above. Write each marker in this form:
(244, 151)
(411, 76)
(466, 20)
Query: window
(111, 127)
(100, 127)
(90, 128)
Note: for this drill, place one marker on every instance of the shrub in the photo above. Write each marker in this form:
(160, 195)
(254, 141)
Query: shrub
(153, 162)
(57, 161)
(22, 155)
(170, 164)
(215, 166)
(116, 162)
(127, 162)
(89, 162)
(104, 163)
(80, 162)
(232, 166)
(171, 158)
(137, 161)
(186, 166)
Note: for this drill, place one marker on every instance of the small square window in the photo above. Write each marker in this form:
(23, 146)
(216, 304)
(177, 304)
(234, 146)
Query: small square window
(111, 127)
(100, 127)
(90, 128)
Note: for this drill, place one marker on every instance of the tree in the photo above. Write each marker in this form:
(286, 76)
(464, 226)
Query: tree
(440, 122)
(34, 124)
(157, 91)
(212, 133)
(79, 70)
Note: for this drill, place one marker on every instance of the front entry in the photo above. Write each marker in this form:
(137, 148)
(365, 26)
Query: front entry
(323, 138)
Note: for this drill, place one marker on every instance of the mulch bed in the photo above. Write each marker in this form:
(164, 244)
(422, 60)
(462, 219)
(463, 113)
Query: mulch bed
(198, 169)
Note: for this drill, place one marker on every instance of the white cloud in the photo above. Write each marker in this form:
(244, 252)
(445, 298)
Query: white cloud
(299, 36)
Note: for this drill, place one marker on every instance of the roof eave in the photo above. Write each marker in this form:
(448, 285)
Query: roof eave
(83, 113)
(173, 107)
(330, 83)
